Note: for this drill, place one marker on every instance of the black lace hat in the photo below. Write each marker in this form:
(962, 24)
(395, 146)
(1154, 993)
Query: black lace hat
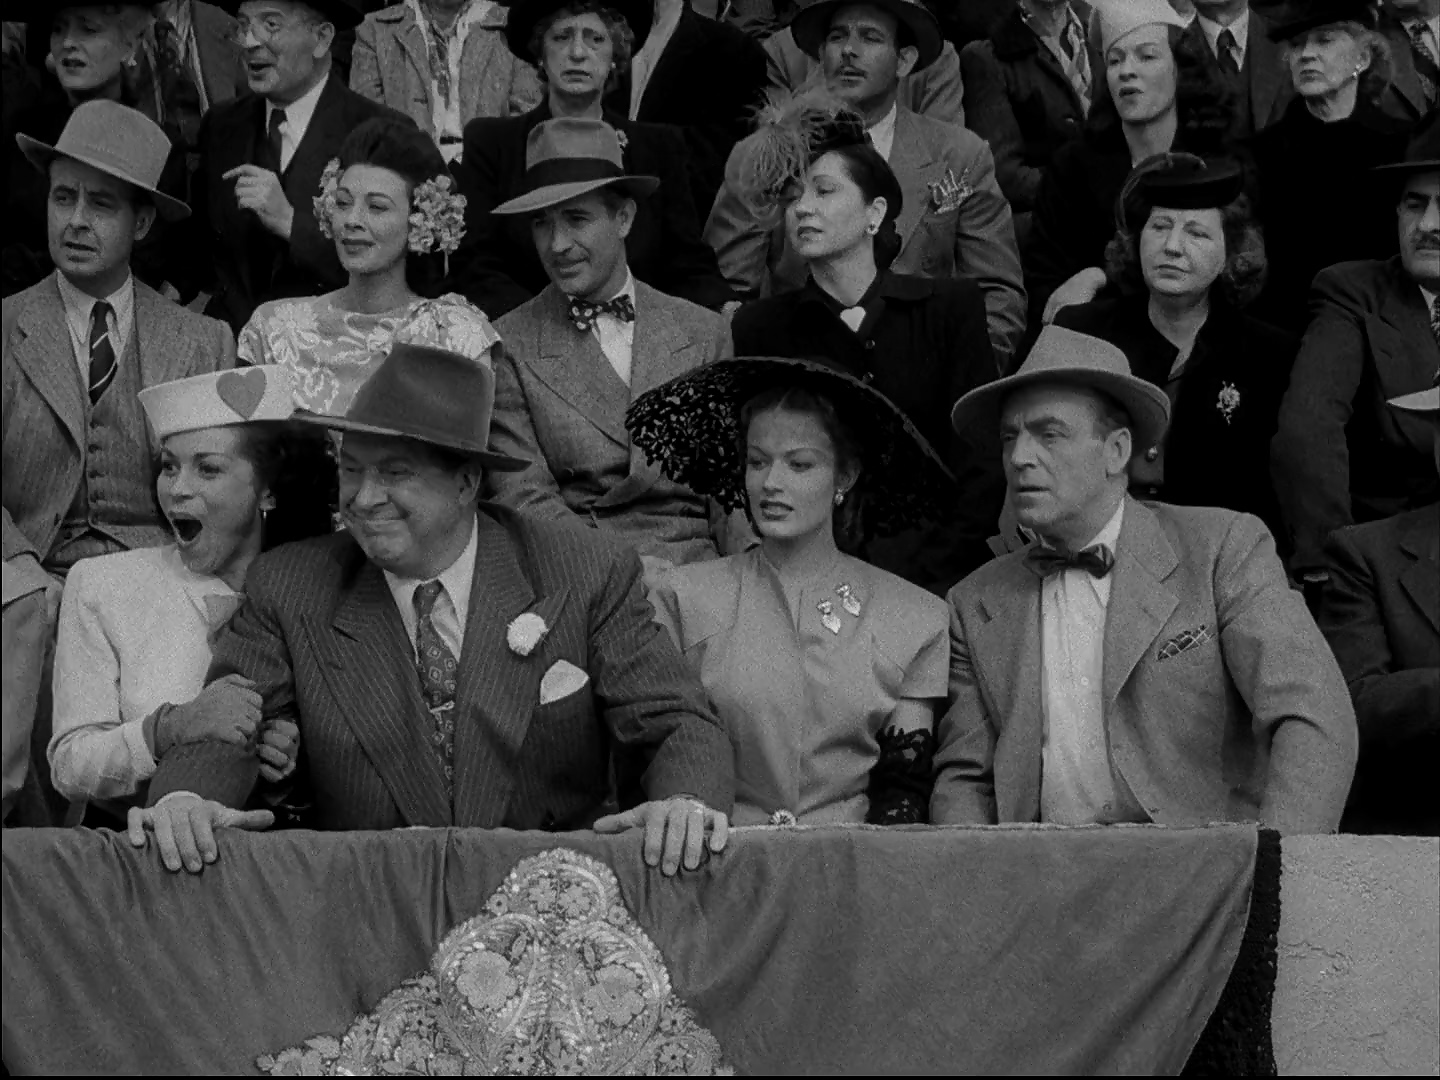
(690, 428)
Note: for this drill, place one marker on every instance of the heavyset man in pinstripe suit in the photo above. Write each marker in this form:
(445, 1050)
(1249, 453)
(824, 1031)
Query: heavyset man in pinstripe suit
(448, 663)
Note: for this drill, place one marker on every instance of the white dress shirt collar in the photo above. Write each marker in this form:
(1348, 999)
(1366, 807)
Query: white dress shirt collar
(882, 132)
(617, 337)
(77, 318)
(455, 580)
(298, 115)
(1239, 29)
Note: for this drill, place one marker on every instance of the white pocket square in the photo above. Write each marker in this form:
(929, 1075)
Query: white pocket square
(562, 680)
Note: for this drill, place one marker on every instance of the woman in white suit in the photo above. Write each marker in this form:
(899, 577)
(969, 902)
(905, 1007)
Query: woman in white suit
(133, 647)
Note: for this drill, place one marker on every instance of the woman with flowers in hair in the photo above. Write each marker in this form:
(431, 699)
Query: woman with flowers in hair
(1186, 260)
(826, 671)
(388, 203)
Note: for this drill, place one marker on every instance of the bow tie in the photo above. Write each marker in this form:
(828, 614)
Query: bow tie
(583, 313)
(1095, 561)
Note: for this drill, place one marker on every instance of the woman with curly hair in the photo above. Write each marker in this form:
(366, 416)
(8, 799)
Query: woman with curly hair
(234, 478)
(1318, 202)
(1158, 94)
(387, 202)
(1186, 259)
(826, 671)
(582, 49)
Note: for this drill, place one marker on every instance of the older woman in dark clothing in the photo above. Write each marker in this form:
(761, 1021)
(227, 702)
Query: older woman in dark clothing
(1186, 259)
(922, 343)
(1156, 95)
(582, 49)
(1319, 204)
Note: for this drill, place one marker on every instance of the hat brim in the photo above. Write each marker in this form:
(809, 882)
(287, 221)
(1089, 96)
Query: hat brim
(636, 187)
(690, 428)
(812, 23)
(1407, 168)
(1301, 22)
(40, 155)
(523, 17)
(1146, 403)
(339, 14)
(1422, 401)
(484, 455)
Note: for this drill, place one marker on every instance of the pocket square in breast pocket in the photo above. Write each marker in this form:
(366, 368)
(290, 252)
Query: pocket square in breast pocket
(1184, 641)
(562, 680)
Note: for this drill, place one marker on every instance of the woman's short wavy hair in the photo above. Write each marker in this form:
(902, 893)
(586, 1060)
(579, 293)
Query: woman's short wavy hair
(1376, 77)
(622, 38)
(1242, 277)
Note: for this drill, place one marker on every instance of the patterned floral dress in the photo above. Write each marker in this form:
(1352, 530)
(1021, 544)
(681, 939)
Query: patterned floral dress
(333, 351)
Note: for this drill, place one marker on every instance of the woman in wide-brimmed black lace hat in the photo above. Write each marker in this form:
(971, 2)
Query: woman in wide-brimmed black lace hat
(827, 671)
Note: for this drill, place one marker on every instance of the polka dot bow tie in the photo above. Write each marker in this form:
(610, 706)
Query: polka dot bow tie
(583, 313)
(1095, 561)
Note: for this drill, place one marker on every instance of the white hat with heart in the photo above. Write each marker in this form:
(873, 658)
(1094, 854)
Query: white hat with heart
(241, 396)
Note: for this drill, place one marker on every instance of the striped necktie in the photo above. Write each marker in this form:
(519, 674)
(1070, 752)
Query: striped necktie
(102, 351)
(1074, 58)
(1435, 318)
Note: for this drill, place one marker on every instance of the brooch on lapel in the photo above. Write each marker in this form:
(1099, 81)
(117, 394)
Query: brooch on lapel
(622, 139)
(948, 192)
(1228, 400)
(525, 633)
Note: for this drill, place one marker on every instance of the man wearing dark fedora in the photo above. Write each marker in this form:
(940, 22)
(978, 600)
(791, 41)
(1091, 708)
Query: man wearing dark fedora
(1341, 456)
(1138, 662)
(577, 354)
(953, 218)
(448, 663)
(254, 234)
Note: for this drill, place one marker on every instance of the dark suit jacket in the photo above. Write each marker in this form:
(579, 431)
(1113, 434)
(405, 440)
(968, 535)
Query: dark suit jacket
(234, 254)
(1253, 723)
(1211, 456)
(1341, 455)
(708, 81)
(1404, 98)
(320, 635)
(497, 268)
(1381, 615)
(1263, 88)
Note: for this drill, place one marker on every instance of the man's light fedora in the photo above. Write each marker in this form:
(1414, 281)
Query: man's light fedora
(430, 395)
(120, 142)
(1068, 358)
(568, 157)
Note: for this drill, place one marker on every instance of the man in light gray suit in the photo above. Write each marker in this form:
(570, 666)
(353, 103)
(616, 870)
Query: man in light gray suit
(578, 353)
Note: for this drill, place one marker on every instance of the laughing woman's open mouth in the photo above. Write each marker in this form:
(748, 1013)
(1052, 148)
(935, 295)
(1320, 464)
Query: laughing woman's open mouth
(186, 528)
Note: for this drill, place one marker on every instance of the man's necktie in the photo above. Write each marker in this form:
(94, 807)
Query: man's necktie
(1427, 63)
(583, 313)
(1095, 560)
(1227, 51)
(1435, 319)
(1075, 59)
(273, 142)
(102, 351)
(437, 666)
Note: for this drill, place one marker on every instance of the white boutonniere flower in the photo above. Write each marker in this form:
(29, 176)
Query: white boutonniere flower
(525, 633)
(1228, 401)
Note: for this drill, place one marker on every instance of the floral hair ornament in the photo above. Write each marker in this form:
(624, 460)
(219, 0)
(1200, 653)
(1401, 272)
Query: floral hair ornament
(437, 214)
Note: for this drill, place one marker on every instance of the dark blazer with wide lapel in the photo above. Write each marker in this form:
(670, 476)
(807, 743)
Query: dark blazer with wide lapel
(1252, 722)
(1341, 455)
(1404, 98)
(43, 434)
(320, 635)
(560, 404)
(248, 263)
(497, 268)
(1381, 614)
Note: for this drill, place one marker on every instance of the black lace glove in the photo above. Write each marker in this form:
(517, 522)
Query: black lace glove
(901, 780)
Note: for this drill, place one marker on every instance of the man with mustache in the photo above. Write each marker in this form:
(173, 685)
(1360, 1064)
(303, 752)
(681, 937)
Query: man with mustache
(1341, 456)
(953, 218)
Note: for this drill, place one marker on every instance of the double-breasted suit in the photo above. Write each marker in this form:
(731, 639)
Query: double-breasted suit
(969, 233)
(320, 635)
(1222, 701)
(47, 450)
(1380, 611)
(233, 252)
(560, 403)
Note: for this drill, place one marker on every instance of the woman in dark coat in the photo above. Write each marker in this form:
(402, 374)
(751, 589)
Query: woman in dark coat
(1186, 262)
(1318, 201)
(922, 343)
(1168, 100)
(496, 267)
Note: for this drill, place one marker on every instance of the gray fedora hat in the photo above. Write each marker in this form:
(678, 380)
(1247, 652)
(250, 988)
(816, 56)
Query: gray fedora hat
(1069, 358)
(568, 157)
(120, 142)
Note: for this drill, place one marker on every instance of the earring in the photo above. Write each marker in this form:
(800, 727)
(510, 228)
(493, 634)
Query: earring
(839, 497)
